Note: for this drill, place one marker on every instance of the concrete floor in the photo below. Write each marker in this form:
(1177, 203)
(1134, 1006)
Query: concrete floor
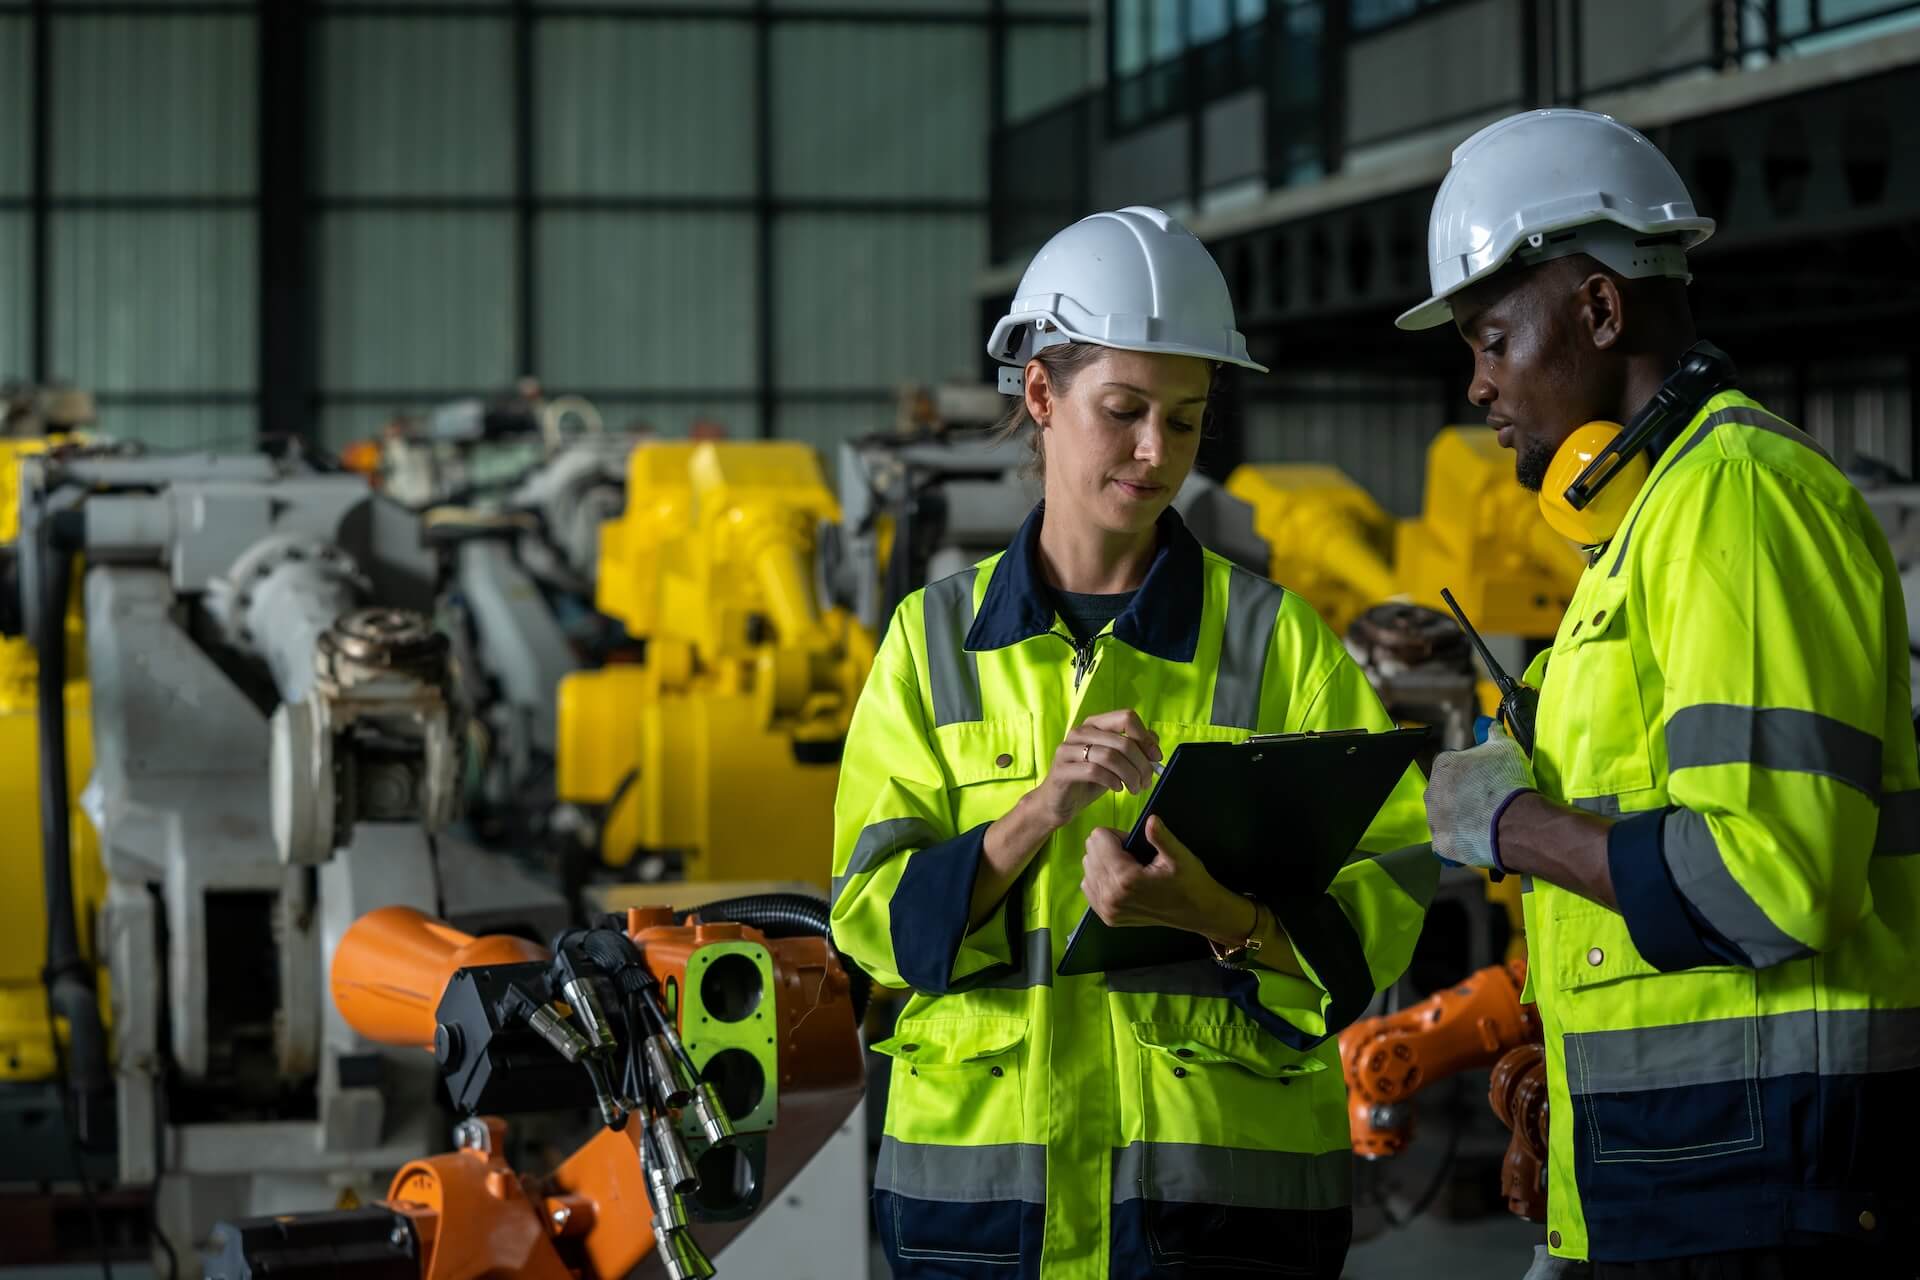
(1428, 1249)
(1431, 1248)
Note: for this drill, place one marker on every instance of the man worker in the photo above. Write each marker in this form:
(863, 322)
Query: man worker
(1718, 823)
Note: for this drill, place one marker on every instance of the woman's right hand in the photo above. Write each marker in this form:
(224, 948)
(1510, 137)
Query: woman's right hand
(1113, 751)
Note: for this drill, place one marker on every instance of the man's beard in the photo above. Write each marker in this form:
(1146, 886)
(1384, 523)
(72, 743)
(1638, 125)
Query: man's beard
(1530, 463)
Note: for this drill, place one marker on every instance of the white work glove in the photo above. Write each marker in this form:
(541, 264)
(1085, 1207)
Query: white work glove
(1468, 792)
(1547, 1267)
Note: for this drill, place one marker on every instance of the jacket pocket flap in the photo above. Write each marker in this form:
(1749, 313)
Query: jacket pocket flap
(1603, 615)
(1595, 949)
(1242, 1045)
(997, 750)
(947, 1041)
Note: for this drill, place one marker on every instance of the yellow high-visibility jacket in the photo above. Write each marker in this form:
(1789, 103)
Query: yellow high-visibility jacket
(1113, 1125)
(1733, 1057)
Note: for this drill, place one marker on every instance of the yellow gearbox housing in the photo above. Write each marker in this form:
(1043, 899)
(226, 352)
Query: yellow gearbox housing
(722, 746)
(26, 1051)
(1329, 540)
(1481, 535)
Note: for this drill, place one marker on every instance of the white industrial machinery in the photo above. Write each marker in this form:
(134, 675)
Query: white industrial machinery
(917, 508)
(276, 753)
(519, 610)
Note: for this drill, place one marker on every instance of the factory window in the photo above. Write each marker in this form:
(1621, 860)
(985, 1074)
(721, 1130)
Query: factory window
(1164, 55)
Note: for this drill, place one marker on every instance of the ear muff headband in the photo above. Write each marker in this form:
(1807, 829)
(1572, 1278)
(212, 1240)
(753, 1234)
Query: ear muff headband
(1598, 470)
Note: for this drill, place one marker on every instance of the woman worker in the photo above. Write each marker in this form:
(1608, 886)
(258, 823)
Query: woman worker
(1187, 1120)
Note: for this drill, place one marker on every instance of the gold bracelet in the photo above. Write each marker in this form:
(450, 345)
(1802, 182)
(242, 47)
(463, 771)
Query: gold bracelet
(1241, 955)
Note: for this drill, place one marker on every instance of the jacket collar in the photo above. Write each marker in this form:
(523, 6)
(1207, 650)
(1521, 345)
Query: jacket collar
(1162, 619)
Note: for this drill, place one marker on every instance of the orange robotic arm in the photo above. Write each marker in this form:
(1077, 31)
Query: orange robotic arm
(1390, 1058)
(769, 1030)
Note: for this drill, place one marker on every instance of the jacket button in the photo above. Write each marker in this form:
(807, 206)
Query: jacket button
(1577, 624)
(1553, 1238)
(1867, 1220)
(997, 1072)
(1003, 759)
(909, 1048)
(1599, 617)
(1179, 1073)
(1595, 956)
(1183, 1053)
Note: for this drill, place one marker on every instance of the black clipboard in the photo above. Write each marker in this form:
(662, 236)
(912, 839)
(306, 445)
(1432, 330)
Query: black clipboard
(1276, 816)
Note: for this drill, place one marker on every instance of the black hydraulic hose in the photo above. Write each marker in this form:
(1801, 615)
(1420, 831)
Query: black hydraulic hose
(792, 915)
(68, 977)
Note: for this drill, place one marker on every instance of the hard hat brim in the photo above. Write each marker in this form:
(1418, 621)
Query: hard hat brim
(1177, 349)
(1431, 314)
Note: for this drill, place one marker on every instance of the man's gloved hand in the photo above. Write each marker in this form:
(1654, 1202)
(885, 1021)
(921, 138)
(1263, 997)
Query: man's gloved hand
(1547, 1267)
(1468, 792)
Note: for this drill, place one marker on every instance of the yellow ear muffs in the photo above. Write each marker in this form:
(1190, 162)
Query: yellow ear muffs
(1613, 492)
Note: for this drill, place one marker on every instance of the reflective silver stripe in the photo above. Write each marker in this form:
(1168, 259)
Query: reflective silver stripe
(1605, 806)
(947, 608)
(967, 1175)
(1829, 1042)
(880, 841)
(1415, 869)
(1194, 1174)
(1737, 413)
(1764, 421)
(1253, 607)
(1526, 884)
(1781, 738)
(1036, 964)
(1701, 876)
(1899, 833)
(1189, 978)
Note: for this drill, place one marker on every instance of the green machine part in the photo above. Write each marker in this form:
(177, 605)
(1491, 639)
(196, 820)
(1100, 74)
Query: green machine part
(730, 1023)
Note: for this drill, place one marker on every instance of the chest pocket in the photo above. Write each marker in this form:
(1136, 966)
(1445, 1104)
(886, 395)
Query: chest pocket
(989, 764)
(1174, 732)
(1592, 713)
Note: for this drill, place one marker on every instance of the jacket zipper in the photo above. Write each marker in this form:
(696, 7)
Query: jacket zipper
(1082, 656)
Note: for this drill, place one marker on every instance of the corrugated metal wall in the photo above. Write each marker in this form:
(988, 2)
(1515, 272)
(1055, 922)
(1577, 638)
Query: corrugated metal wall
(646, 283)
(1377, 428)
(152, 254)
(1374, 428)
(16, 183)
(647, 279)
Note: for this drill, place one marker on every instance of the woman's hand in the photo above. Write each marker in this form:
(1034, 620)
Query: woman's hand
(1113, 751)
(1174, 889)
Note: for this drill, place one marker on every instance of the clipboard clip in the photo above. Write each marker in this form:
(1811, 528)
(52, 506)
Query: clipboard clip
(1312, 733)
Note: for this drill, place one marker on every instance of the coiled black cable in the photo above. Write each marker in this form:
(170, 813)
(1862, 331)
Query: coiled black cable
(792, 915)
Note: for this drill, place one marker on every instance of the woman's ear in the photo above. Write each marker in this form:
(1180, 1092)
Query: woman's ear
(1039, 393)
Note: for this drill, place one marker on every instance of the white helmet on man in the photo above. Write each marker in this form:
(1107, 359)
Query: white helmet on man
(1133, 279)
(1546, 184)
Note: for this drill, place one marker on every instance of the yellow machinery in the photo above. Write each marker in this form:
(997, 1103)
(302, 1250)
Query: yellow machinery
(1481, 535)
(1328, 538)
(722, 746)
(26, 1051)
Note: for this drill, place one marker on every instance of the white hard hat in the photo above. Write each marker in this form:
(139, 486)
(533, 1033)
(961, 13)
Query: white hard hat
(1133, 279)
(1546, 184)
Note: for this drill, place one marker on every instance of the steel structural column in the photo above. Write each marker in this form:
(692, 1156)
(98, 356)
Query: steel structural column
(288, 350)
(765, 295)
(526, 350)
(42, 126)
